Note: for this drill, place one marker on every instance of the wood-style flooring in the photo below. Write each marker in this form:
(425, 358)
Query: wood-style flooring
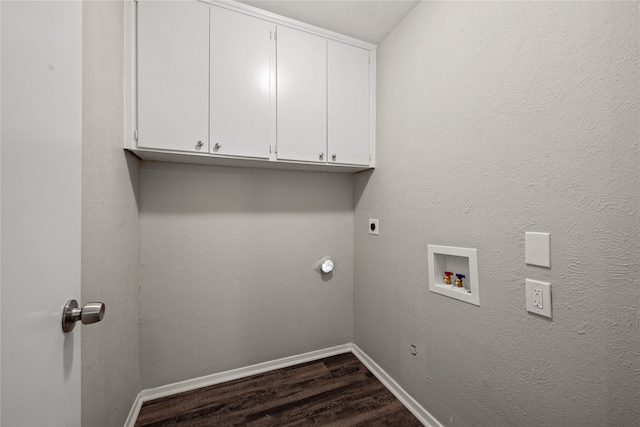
(335, 391)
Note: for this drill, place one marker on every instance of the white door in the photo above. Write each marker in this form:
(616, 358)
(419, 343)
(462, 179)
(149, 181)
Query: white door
(173, 75)
(41, 131)
(302, 96)
(348, 104)
(242, 65)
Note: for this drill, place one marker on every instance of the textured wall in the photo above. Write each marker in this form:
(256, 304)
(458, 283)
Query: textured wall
(496, 118)
(110, 224)
(227, 267)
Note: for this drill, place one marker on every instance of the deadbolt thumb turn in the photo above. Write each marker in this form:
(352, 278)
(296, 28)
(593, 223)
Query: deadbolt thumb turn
(92, 312)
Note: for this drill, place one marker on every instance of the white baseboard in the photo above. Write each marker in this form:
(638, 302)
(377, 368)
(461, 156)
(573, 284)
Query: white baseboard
(234, 374)
(405, 398)
(166, 390)
(135, 410)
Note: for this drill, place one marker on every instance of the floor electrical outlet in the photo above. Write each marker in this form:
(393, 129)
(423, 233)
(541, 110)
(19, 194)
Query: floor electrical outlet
(538, 297)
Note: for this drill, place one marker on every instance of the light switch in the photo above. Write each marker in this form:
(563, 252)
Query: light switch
(537, 249)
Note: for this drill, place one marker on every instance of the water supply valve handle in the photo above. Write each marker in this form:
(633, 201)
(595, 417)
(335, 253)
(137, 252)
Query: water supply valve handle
(447, 277)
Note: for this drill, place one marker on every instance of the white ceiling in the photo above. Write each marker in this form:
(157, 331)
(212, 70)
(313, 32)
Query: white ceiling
(368, 20)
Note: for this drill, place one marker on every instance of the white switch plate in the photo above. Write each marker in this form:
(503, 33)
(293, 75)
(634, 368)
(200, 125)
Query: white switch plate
(538, 297)
(373, 226)
(537, 249)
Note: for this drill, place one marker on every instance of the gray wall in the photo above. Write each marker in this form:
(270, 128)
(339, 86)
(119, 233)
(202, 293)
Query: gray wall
(228, 258)
(496, 118)
(110, 224)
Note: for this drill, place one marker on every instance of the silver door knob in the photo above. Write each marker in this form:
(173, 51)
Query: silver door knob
(199, 144)
(334, 156)
(92, 312)
(217, 146)
(321, 156)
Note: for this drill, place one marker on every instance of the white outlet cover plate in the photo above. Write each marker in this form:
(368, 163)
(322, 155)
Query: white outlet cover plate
(537, 249)
(375, 228)
(530, 285)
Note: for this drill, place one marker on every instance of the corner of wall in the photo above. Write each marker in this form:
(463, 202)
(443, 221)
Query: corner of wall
(110, 224)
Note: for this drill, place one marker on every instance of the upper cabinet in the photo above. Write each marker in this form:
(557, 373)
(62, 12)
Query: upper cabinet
(224, 83)
(241, 68)
(302, 96)
(348, 104)
(173, 76)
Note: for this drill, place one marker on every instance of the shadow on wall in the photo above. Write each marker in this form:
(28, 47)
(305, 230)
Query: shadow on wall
(133, 166)
(361, 181)
(185, 188)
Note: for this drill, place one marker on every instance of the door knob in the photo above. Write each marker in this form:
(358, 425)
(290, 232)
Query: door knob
(92, 312)
(217, 146)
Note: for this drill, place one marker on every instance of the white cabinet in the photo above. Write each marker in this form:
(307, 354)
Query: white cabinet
(348, 108)
(302, 96)
(173, 76)
(323, 100)
(242, 67)
(224, 83)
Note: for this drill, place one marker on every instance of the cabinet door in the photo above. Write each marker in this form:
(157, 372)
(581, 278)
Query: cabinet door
(242, 64)
(302, 96)
(173, 75)
(348, 109)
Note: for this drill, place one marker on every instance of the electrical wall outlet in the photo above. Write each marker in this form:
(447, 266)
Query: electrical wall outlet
(538, 296)
(373, 226)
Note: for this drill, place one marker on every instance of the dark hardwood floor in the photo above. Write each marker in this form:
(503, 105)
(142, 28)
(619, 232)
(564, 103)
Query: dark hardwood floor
(336, 391)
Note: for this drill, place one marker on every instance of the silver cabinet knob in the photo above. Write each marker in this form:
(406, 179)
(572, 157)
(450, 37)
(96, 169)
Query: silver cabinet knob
(334, 156)
(92, 312)
(199, 144)
(321, 156)
(217, 146)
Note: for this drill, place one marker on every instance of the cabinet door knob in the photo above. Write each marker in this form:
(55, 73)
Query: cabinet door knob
(199, 144)
(217, 146)
(321, 156)
(334, 156)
